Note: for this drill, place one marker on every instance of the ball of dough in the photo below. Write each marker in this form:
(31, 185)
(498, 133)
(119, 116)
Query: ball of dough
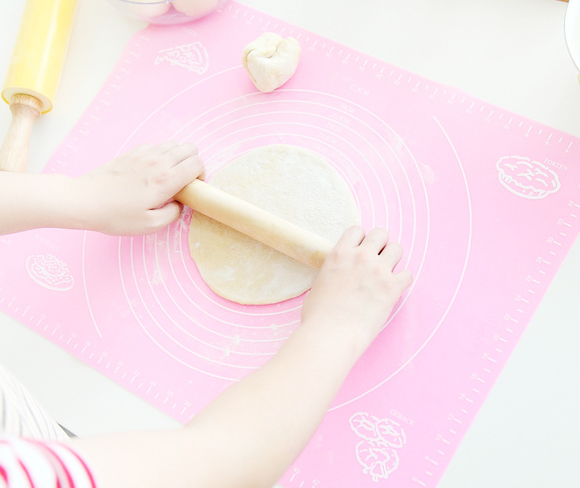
(195, 8)
(271, 60)
(287, 181)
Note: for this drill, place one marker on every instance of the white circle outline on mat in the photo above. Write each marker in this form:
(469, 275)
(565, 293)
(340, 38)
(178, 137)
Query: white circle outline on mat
(388, 145)
(468, 250)
(373, 148)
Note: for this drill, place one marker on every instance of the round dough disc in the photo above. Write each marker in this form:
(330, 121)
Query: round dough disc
(290, 182)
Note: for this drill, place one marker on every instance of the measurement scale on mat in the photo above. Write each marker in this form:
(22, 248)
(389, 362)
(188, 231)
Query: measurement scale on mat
(499, 344)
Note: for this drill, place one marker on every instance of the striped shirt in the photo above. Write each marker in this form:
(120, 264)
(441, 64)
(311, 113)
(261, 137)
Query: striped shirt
(29, 463)
(22, 415)
(32, 452)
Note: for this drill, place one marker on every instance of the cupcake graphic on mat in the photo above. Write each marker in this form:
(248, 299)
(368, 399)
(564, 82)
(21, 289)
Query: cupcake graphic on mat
(527, 178)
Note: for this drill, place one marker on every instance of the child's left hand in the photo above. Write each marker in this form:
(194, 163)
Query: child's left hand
(133, 193)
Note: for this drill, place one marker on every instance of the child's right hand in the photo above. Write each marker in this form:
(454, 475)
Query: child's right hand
(357, 287)
(262, 423)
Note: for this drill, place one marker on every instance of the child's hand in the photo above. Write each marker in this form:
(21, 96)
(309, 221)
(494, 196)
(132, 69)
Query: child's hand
(133, 193)
(262, 423)
(357, 288)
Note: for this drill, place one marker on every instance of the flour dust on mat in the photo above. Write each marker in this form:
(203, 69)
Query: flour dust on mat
(290, 182)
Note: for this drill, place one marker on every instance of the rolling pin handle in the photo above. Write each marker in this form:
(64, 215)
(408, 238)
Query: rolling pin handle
(14, 151)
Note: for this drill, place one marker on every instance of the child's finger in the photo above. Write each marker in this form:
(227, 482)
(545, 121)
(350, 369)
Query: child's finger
(392, 254)
(163, 216)
(165, 147)
(405, 277)
(181, 152)
(352, 237)
(376, 240)
(187, 171)
(140, 148)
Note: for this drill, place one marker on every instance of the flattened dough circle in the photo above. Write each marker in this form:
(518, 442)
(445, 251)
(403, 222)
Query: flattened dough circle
(290, 182)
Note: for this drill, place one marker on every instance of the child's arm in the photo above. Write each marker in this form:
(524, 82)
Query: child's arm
(132, 194)
(251, 433)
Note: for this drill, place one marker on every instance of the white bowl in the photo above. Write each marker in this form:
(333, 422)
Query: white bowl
(572, 30)
(168, 11)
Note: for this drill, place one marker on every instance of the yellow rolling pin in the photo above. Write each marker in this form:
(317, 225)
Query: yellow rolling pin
(34, 73)
(269, 229)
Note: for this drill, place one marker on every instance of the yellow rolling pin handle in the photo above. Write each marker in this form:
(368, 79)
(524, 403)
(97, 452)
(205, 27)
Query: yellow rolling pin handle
(269, 229)
(34, 72)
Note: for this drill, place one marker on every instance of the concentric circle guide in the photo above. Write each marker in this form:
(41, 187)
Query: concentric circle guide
(223, 336)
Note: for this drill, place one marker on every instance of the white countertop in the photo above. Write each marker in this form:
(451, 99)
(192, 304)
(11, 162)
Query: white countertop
(511, 53)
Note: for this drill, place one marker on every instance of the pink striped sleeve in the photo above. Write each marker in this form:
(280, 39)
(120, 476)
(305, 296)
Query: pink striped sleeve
(30, 463)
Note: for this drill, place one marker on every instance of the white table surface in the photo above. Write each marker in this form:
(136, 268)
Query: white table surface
(510, 53)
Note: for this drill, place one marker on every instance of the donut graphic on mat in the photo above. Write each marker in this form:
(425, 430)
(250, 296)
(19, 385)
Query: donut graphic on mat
(527, 178)
(377, 452)
(49, 272)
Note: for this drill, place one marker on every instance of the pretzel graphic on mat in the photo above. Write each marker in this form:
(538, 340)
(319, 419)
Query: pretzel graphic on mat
(377, 452)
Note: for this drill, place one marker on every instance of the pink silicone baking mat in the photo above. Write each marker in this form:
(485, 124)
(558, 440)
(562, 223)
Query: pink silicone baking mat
(485, 203)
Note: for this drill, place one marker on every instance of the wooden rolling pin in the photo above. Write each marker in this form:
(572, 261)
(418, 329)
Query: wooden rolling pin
(34, 73)
(269, 229)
